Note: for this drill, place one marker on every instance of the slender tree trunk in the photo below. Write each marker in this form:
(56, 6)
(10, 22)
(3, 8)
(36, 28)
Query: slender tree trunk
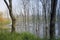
(25, 16)
(58, 20)
(28, 19)
(37, 19)
(52, 19)
(11, 14)
(33, 20)
(44, 3)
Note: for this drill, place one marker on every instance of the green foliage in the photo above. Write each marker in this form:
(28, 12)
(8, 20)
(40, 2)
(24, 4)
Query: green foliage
(17, 36)
(29, 36)
(58, 38)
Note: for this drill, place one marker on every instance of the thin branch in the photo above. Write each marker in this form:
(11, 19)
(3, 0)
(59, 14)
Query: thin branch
(6, 4)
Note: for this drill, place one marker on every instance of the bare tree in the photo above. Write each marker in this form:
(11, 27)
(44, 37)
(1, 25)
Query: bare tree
(9, 6)
(45, 28)
(28, 1)
(58, 17)
(53, 19)
(33, 20)
(25, 4)
(37, 18)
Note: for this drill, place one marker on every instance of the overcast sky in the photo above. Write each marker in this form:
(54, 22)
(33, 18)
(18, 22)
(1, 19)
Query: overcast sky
(16, 6)
(4, 8)
(2, 5)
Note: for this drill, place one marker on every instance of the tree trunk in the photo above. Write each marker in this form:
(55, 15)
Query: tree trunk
(11, 14)
(52, 19)
(58, 20)
(44, 3)
(37, 19)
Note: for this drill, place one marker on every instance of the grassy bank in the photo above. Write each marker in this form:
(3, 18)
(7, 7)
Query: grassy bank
(18, 36)
(4, 35)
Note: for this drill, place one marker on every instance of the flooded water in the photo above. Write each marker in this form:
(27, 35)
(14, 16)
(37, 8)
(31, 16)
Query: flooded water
(31, 28)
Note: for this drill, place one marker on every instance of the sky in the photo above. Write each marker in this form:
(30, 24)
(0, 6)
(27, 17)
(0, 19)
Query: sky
(2, 5)
(4, 8)
(15, 4)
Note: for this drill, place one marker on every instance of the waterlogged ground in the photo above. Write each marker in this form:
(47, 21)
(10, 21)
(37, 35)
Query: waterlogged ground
(21, 28)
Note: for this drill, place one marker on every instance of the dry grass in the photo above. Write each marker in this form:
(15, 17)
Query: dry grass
(4, 22)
